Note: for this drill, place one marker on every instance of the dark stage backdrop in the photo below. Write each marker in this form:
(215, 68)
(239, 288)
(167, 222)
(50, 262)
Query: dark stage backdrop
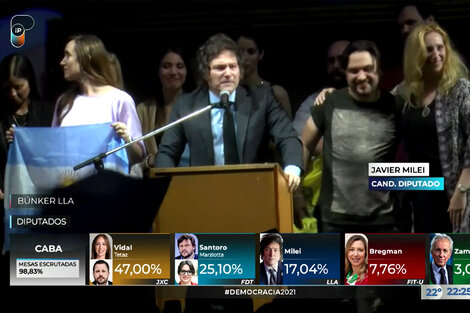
(295, 34)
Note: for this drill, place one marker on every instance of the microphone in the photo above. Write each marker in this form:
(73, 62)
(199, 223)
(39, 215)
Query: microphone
(224, 94)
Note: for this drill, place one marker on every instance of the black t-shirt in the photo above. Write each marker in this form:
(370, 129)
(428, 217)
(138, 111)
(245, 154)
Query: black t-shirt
(420, 135)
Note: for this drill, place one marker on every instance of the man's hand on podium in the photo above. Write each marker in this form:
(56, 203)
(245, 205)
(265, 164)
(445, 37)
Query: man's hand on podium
(293, 181)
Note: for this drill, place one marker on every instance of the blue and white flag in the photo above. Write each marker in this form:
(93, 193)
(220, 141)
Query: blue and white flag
(42, 158)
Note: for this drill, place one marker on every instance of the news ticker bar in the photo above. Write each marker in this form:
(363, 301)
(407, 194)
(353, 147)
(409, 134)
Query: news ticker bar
(224, 259)
(426, 292)
(402, 176)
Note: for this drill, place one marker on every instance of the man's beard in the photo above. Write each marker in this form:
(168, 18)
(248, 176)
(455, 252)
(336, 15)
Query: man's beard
(188, 255)
(336, 80)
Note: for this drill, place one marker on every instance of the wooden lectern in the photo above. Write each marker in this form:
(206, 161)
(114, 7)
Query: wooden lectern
(246, 198)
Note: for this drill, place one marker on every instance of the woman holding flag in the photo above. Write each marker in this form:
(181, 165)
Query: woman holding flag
(42, 159)
(21, 102)
(95, 95)
(21, 105)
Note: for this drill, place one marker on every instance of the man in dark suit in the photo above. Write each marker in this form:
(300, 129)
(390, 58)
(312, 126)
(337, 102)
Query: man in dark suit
(270, 270)
(186, 247)
(441, 250)
(254, 115)
(101, 273)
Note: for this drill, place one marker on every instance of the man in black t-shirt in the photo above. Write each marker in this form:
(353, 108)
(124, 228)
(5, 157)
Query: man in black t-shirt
(358, 125)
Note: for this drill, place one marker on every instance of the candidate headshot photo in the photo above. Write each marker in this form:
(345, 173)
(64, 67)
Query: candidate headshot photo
(356, 259)
(441, 263)
(186, 247)
(270, 267)
(186, 273)
(101, 273)
(101, 246)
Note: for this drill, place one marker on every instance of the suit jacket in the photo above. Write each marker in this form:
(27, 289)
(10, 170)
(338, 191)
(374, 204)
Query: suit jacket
(263, 277)
(449, 274)
(108, 284)
(258, 117)
(180, 257)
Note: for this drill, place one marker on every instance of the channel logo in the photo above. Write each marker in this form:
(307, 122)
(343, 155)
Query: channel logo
(19, 25)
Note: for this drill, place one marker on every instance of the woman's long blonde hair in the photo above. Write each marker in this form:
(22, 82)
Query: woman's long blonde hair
(415, 56)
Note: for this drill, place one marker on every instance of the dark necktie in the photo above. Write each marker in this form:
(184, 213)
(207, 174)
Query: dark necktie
(443, 276)
(272, 279)
(230, 140)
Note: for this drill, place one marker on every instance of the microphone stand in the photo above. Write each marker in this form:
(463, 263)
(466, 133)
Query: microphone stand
(98, 160)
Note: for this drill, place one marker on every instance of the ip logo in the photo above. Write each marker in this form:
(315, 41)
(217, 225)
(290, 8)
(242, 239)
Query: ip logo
(19, 25)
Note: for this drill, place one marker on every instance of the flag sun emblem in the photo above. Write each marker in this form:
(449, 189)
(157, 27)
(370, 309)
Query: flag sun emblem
(67, 178)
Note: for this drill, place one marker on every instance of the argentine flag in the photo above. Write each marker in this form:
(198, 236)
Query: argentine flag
(42, 158)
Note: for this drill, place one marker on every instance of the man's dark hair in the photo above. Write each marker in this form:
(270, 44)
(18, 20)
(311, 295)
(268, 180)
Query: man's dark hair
(424, 8)
(254, 34)
(101, 262)
(214, 46)
(187, 237)
(359, 46)
(267, 239)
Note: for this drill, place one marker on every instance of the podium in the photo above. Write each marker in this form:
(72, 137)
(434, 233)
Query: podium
(245, 198)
